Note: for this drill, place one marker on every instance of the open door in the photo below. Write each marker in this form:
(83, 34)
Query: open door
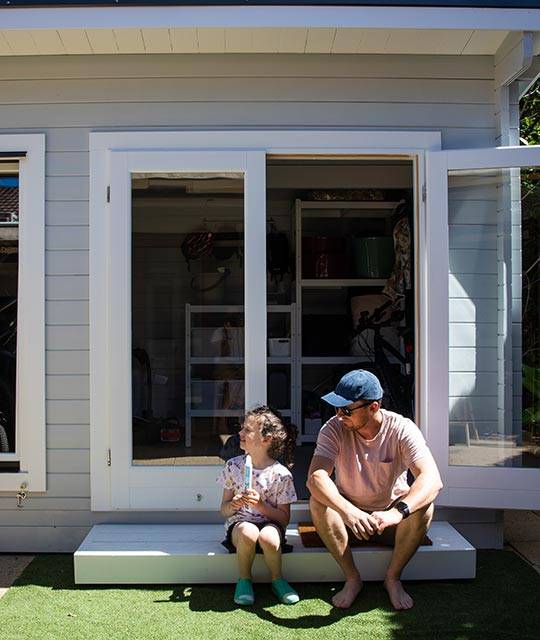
(482, 324)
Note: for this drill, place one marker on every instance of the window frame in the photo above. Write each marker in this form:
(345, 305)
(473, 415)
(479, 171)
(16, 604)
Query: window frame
(104, 180)
(30, 422)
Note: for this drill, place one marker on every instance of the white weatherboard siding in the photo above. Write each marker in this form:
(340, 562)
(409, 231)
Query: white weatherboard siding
(68, 97)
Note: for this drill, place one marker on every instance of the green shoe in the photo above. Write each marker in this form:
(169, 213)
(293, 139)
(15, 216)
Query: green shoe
(284, 592)
(243, 594)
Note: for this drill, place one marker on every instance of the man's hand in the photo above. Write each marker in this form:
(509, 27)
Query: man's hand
(362, 524)
(385, 519)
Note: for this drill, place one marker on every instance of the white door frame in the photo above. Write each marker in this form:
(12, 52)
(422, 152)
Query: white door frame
(488, 487)
(112, 157)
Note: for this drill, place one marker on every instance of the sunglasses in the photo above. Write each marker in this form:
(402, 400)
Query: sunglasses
(348, 411)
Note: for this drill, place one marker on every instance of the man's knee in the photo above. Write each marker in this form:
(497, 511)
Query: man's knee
(317, 509)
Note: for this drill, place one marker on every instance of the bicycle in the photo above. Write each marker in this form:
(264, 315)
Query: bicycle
(393, 367)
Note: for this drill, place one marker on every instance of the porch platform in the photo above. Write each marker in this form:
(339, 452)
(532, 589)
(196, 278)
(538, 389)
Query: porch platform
(192, 554)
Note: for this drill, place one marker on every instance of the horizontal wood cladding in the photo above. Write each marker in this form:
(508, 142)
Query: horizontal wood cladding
(249, 66)
(212, 89)
(323, 113)
(69, 97)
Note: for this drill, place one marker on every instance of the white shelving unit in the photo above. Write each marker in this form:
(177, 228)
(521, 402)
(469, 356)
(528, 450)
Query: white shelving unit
(191, 360)
(328, 210)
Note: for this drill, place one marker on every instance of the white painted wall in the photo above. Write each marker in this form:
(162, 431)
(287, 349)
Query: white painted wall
(68, 97)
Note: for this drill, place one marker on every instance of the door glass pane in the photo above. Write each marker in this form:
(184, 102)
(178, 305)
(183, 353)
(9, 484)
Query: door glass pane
(9, 260)
(187, 315)
(493, 309)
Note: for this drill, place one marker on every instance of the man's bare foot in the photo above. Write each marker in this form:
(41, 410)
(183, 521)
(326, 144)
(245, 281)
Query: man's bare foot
(344, 598)
(399, 598)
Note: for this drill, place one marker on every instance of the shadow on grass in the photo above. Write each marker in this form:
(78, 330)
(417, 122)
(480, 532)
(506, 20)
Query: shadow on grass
(219, 598)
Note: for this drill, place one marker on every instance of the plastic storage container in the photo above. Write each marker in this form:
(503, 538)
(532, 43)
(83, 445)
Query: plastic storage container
(279, 347)
(206, 394)
(373, 256)
(216, 342)
(324, 257)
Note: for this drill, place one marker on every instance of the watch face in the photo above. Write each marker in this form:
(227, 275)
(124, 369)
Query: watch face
(403, 508)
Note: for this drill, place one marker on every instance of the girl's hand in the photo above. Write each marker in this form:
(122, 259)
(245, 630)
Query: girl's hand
(238, 501)
(252, 497)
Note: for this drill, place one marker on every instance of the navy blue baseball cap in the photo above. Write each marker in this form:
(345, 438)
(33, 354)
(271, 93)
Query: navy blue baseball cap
(354, 386)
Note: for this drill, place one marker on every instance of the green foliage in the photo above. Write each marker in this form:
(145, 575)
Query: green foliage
(530, 244)
(529, 113)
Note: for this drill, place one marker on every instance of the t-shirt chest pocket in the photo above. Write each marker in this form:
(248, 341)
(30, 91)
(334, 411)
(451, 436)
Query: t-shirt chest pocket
(385, 467)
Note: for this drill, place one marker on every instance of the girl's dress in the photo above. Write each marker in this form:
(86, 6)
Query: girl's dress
(273, 483)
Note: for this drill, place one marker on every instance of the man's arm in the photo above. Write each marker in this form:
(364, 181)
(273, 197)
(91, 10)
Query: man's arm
(427, 483)
(423, 492)
(324, 490)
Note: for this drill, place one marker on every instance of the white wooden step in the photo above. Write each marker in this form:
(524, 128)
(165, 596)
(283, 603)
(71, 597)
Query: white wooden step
(174, 553)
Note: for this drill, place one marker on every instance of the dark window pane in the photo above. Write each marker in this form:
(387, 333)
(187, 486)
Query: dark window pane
(9, 258)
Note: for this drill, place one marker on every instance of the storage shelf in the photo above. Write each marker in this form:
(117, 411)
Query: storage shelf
(341, 205)
(226, 413)
(215, 413)
(216, 360)
(347, 282)
(308, 438)
(333, 360)
(224, 360)
(238, 360)
(235, 308)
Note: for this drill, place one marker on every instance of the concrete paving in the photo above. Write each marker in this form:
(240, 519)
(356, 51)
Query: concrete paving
(522, 533)
(530, 551)
(11, 567)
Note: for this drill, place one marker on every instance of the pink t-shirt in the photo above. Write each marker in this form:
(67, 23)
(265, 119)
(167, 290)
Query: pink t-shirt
(372, 474)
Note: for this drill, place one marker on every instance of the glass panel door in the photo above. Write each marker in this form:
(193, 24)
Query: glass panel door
(184, 330)
(492, 452)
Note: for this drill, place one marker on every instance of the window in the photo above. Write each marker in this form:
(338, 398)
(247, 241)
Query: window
(9, 262)
(22, 312)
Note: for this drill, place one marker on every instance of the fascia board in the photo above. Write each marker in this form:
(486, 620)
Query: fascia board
(271, 17)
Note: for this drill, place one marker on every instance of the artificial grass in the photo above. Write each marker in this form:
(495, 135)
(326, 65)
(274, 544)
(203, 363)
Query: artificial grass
(502, 602)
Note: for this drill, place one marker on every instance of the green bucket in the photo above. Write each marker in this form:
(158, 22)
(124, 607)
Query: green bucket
(373, 256)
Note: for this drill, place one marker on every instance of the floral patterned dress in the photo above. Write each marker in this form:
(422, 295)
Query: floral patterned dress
(274, 484)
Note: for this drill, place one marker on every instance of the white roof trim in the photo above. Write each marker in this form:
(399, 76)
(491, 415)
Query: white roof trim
(310, 17)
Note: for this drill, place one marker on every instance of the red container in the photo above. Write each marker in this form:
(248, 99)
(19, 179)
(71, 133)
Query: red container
(324, 257)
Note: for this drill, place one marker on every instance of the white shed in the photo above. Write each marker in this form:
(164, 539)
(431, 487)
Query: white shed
(210, 203)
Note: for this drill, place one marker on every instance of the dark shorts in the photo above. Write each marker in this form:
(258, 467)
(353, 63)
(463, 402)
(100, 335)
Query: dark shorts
(285, 548)
(387, 538)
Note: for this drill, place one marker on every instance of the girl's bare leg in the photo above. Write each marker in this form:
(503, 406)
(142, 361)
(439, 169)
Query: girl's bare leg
(270, 543)
(244, 538)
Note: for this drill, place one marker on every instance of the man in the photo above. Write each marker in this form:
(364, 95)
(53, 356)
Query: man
(370, 450)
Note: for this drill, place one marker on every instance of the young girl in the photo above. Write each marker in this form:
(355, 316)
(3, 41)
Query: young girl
(258, 517)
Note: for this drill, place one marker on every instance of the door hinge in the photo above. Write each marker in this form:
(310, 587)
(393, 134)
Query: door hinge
(108, 193)
(424, 193)
(108, 457)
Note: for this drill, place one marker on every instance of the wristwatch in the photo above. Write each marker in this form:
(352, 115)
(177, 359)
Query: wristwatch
(403, 508)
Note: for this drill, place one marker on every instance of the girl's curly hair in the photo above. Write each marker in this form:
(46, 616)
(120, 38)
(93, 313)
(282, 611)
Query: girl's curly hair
(282, 435)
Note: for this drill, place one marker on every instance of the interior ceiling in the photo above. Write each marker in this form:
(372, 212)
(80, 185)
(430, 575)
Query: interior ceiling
(285, 178)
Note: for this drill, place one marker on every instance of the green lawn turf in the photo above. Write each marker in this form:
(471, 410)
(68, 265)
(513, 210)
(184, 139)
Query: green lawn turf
(502, 602)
